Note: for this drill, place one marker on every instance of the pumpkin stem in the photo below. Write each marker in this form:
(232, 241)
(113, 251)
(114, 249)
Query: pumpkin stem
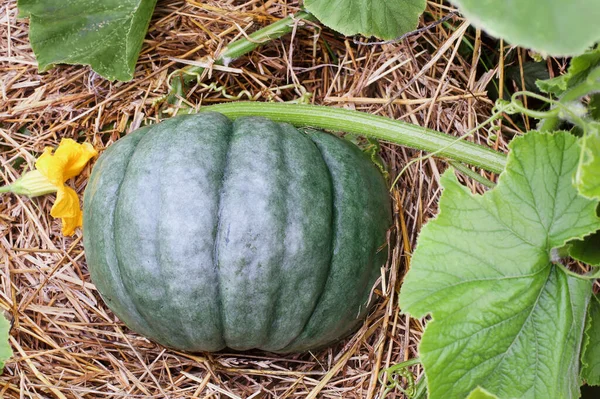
(373, 126)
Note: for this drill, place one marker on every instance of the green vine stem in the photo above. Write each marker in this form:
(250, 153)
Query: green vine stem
(593, 274)
(180, 78)
(473, 175)
(572, 111)
(373, 126)
(421, 389)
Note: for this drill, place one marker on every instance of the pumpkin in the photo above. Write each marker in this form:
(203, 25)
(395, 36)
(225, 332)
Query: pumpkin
(202, 233)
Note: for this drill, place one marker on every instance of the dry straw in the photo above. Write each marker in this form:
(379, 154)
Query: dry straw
(67, 343)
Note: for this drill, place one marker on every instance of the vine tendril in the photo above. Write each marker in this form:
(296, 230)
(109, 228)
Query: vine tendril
(394, 376)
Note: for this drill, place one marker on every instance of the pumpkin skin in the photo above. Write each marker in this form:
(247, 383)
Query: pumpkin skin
(202, 233)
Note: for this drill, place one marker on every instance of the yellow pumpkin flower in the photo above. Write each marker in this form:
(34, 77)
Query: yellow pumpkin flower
(53, 169)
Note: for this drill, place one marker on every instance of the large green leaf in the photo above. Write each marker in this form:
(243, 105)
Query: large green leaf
(505, 318)
(591, 353)
(105, 34)
(554, 27)
(385, 19)
(5, 350)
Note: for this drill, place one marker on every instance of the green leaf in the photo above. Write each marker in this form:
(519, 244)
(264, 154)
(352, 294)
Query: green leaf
(504, 316)
(586, 250)
(578, 71)
(553, 27)
(594, 107)
(480, 393)
(385, 19)
(590, 370)
(532, 73)
(5, 350)
(587, 178)
(105, 34)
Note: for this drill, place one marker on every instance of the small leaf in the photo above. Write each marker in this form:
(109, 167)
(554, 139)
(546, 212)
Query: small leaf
(5, 350)
(594, 107)
(579, 69)
(590, 359)
(505, 318)
(105, 34)
(480, 393)
(532, 72)
(587, 178)
(553, 27)
(385, 19)
(586, 250)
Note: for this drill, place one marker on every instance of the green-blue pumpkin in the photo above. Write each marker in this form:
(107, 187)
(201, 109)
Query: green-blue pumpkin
(202, 233)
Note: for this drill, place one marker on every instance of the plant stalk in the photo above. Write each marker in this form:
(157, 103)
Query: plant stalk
(374, 126)
(239, 48)
(473, 175)
(421, 388)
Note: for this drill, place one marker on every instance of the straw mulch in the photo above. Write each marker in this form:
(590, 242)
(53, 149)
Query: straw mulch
(67, 343)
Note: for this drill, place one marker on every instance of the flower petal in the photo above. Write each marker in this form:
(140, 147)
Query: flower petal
(70, 224)
(67, 208)
(51, 167)
(77, 156)
(68, 160)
